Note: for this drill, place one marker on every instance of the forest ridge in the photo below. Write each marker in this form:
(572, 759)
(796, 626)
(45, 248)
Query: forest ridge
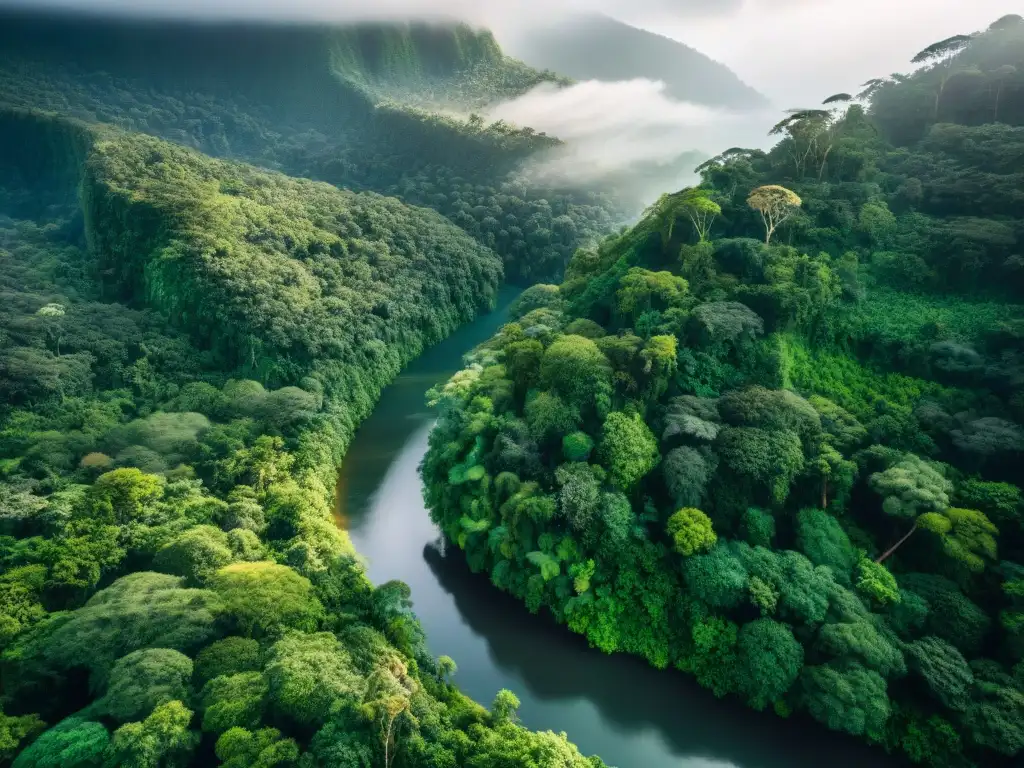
(771, 436)
(188, 344)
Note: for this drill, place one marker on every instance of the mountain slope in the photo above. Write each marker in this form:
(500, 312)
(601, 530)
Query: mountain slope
(381, 108)
(173, 588)
(785, 462)
(595, 47)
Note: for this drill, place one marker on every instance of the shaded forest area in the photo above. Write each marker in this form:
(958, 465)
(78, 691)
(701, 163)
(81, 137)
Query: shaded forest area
(365, 107)
(186, 347)
(772, 435)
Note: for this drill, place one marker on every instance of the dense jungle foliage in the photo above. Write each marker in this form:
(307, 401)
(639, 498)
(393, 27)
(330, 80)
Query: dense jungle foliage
(186, 346)
(772, 436)
(370, 108)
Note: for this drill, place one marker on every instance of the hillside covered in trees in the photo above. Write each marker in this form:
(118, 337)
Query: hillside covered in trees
(772, 435)
(389, 108)
(580, 45)
(186, 347)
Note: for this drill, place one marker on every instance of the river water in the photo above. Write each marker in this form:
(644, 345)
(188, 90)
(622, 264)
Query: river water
(617, 707)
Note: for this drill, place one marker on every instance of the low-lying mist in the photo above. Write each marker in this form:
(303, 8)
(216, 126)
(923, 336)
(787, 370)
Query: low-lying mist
(627, 136)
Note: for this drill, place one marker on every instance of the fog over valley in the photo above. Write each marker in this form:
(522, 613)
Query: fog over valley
(795, 52)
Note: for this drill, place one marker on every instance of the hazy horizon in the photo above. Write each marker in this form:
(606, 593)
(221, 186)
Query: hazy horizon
(823, 46)
(796, 52)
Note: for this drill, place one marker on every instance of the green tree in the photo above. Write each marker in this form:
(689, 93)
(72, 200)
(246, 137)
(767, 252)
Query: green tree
(691, 531)
(505, 706)
(687, 474)
(388, 696)
(123, 496)
(877, 583)
(577, 370)
(446, 667)
(141, 610)
(577, 446)
(72, 743)
(196, 554)
(768, 459)
(145, 679)
(162, 740)
(769, 660)
(264, 748)
(53, 320)
(860, 642)
(227, 657)
(940, 57)
(641, 290)
(775, 204)
(943, 669)
(966, 536)
(266, 598)
(852, 699)
(628, 448)
(697, 204)
(307, 674)
(234, 701)
(15, 730)
(823, 540)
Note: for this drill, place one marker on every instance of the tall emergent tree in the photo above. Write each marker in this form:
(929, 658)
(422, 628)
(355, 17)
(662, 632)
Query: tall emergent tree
(702, 210)
(775, 204)
(941, 55)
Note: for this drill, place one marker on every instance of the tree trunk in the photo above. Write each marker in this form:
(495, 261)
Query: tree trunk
(824, 493)
(824, 162)
(889, 552)
(387, 742)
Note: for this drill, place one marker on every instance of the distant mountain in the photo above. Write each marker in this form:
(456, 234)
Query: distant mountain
(596, 47)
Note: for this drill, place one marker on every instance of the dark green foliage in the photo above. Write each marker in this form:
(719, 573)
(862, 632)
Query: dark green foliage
(143, 680)
(863, 643)
(951, 615)
(943, 670)
(852, 699)
(823, 540)
(227, 657)
(72, 743)
(189, 345)
(842, 405)
(768, 660)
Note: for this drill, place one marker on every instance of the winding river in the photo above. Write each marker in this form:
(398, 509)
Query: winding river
(618, 707)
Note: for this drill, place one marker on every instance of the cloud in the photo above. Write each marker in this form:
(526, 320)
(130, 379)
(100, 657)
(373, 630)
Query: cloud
(625, 130)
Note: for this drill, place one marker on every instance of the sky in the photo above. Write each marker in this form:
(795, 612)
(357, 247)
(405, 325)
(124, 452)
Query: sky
(794, 51)
(798, 52)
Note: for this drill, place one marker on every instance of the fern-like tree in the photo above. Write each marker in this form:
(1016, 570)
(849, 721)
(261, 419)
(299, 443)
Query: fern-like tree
(775, 204)
(940, 56)
(53, 320)
(697, 204)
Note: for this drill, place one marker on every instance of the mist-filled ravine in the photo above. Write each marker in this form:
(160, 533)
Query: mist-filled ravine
(616, 706)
